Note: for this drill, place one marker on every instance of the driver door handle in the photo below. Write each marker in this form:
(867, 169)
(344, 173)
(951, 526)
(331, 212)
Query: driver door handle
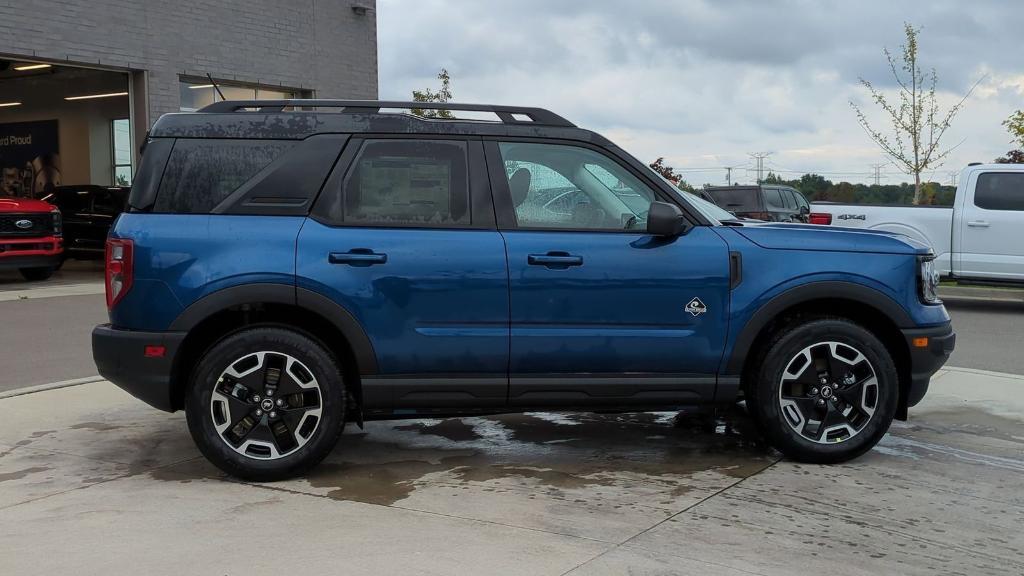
(557, 260)
(977, 223)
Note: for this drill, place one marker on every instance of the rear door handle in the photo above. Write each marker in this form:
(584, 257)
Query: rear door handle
(559, 260)
(977, 223)
(357, 257)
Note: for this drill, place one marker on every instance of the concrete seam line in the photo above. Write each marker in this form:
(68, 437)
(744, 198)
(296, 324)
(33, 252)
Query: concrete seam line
(50, 386)
(984, 372)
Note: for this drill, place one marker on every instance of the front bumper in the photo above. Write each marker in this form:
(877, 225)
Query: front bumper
(30, 252)
(120, 357)
(926, 360)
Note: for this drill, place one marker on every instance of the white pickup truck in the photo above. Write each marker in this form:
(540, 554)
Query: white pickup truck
(981, 238)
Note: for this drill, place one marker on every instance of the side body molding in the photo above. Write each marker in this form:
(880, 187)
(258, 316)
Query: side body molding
(827, 290)
(287, 294)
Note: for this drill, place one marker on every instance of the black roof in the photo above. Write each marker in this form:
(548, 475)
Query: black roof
(298, 119)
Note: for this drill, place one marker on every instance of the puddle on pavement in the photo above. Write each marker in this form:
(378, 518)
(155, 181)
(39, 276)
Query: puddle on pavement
(96, 426)
(549, 454)
(19, 474)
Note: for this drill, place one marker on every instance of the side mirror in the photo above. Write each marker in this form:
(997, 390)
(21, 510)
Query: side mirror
(664, 219)
(805, 210)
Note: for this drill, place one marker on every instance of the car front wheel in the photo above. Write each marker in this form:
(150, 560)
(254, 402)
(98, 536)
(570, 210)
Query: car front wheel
(826, 391)
(266, 403)
(37, 274)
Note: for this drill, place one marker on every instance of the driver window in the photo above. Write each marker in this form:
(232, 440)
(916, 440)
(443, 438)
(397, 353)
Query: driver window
(569, 187)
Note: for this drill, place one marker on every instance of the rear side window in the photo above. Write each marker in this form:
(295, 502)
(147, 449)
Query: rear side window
(1000, 191)
(738, 200)
(201, 173)
(408, 182)
(773, 199)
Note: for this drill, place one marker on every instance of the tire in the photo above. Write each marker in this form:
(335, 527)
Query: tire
(787, 395)
(253, 429)
(36, 274)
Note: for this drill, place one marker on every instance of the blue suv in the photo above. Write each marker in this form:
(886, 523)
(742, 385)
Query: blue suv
(285, 267)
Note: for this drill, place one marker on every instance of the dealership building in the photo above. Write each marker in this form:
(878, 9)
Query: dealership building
(81, 81)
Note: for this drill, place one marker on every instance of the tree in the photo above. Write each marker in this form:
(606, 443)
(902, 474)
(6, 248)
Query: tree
(444, 94)
(670, 174)
(666, 171)
(1012, 157)
(1015, 125)
(917, 125)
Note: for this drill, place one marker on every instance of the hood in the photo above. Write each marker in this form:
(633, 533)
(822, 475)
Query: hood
(12, 204)
(829, 239)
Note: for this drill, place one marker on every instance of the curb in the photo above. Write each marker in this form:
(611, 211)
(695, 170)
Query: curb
(981, 294)
(81, 289)
(50, 386)
(984, 372)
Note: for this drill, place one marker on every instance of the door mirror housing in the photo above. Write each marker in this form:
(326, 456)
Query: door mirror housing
(664, 219)
(805, 210)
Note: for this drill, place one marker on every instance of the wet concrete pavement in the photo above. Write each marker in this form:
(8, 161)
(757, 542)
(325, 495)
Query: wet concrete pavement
(92, 481)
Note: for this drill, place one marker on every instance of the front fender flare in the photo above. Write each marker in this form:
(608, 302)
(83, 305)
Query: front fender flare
(824, 290)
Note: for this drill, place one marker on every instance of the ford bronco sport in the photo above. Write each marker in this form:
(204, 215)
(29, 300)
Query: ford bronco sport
(285, 267)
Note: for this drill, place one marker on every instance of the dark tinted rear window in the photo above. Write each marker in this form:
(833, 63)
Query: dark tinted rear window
(1000, 191)
(201, 173)
(737, 200)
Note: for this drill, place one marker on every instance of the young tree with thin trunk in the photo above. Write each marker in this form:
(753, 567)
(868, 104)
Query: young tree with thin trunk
(444, 94)
(917, 124)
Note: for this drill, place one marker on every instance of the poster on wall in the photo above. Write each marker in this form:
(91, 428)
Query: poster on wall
(29, 158)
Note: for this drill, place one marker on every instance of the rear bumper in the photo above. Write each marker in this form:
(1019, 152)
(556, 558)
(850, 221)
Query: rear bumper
(30, 252)
(120, 357)
(925, 361)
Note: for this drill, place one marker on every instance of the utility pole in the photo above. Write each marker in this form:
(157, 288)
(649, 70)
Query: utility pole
(952, 177)
(728, 174)
(760, 156)
(878, 173)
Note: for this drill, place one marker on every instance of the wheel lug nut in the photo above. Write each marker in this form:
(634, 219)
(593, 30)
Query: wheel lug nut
(256, 398)
(280, 402)
(821, 403)
(814, 391)
(259, 412)
(823, 380)
(273, 414)
(270, 393)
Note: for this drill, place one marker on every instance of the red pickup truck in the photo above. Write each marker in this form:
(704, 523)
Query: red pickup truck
(30, 237)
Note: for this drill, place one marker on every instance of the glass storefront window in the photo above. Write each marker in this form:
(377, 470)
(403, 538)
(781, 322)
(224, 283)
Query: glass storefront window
(196, 94)
(121, 151)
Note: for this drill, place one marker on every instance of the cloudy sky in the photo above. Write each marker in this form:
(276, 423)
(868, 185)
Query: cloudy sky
(704, 83)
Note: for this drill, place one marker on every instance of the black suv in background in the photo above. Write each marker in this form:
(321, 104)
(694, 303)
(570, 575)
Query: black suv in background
(766, 202)
(88, 212)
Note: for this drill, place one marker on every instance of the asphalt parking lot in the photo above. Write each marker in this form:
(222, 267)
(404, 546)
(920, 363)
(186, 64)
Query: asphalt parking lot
(86, 469)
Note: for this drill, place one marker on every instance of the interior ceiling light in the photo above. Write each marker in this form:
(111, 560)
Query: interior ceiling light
(91, 96)
(198, 86)
(24, 67)
(8, 104)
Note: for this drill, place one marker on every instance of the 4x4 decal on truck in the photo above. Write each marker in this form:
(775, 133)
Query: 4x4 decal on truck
(696, 307)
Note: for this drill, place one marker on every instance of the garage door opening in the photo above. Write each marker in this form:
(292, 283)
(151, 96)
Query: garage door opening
(63, 126)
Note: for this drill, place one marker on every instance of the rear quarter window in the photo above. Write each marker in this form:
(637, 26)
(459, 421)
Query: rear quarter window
(201, 173)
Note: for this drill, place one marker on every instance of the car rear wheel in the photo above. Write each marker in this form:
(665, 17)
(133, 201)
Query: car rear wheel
(826, 391)
(266, 403)
(36, 274)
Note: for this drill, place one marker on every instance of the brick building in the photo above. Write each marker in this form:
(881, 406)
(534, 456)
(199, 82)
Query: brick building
(82, 80)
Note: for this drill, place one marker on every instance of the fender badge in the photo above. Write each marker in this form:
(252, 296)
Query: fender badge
(696, 307)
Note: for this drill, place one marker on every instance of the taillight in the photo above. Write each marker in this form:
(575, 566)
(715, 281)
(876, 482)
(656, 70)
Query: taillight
(120, 269)
(820, 218)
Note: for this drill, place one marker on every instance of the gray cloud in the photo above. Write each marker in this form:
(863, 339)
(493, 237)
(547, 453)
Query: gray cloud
(700, 81)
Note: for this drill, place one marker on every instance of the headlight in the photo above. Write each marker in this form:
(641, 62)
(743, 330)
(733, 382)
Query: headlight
(928, 279)
(58, 222)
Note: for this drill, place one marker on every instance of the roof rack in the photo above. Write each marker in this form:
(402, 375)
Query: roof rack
(507, 114)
